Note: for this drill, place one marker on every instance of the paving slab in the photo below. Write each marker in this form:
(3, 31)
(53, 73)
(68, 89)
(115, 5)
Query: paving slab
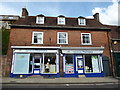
(82, 80)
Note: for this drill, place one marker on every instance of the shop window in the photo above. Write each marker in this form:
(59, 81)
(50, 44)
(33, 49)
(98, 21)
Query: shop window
(50, 63)
(21, 63)
(86, 38)
(62, 38)
(37, 38)
(92, 64)
(69, 65)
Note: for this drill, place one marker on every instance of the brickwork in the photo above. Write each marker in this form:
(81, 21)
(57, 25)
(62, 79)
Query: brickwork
(23, 37)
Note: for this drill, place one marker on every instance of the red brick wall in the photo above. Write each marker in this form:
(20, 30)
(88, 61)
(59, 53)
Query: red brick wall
(23, 37)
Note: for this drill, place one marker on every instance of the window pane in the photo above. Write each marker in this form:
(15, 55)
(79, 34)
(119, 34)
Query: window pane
(82, 21)
(39, 40)
(21, 63)
(91, 63)
(50, 63)
(35, 39)
(62, 40)
(38, 37)
(61, 20)
(86, 38)
(62, 35)
(69, 67)
(88, 63)
(95, 64)
(40, 19)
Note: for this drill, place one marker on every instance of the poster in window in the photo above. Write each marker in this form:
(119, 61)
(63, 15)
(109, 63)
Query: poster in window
(80, 63)
(69, 68)
(95, 65)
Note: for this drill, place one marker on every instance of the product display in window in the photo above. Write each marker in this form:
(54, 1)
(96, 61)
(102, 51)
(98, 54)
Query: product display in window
(91, 63)
(50, 63)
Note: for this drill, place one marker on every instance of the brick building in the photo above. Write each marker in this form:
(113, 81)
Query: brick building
(58, 46)
(115, 48)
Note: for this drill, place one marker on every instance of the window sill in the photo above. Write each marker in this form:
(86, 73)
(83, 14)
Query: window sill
(37, 43)
(86, 44)
(63, 43)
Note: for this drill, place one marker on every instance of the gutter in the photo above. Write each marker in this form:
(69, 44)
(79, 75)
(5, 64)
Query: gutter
(63, 48)
(115, 39)
(59, 27)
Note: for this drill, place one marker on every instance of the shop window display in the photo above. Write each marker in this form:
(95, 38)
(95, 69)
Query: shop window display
(50, 63)
(69, 66)
(91, 64)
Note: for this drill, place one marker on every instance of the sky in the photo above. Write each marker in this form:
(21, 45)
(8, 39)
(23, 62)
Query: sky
(108, 10)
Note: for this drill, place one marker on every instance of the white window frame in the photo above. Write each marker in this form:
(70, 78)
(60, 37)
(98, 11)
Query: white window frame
(79, 23)
(58, 19)
(66, 37)
(33, 37)
(42, 19)
(89, 37)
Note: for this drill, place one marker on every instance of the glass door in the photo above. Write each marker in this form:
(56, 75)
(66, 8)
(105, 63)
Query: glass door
(79, 64)
(37, 63)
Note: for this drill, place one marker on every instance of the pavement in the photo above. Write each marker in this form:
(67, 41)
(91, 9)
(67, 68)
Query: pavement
(80, 80)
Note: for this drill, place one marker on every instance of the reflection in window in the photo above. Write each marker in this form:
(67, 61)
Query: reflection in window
(91, 63)
(37, 37)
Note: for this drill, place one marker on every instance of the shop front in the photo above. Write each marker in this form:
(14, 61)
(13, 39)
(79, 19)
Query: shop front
(82, 62)
(44, 61)
(28, 61)
(117, 63)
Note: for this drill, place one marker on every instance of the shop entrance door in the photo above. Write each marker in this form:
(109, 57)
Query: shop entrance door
(37, 64)
(79, 65)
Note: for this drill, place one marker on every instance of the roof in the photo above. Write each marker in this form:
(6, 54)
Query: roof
(115, 32)
(52, 22)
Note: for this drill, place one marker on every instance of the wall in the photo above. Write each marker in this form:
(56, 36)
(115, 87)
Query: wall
(23, 37)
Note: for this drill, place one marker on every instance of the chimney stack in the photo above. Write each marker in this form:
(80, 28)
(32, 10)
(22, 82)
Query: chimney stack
(24, 12)
(96, 16)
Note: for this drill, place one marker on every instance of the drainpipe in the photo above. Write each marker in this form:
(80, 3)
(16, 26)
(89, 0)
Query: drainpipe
(111, 53)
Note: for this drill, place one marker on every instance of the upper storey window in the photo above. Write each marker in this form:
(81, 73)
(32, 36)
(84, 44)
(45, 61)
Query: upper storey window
(61, 20)
(37, 38)
(62, 38)
(86, 38)
(81, 21)
(40, 19)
